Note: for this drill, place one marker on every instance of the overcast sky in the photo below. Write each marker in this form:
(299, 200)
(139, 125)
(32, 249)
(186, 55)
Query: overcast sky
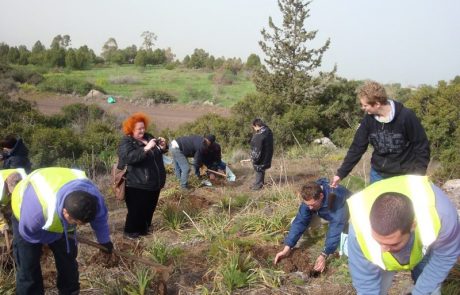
(391, 41)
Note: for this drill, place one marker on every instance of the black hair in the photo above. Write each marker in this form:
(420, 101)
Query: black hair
(392, 212)
(258, 122)
(9, 141)
(81, 206)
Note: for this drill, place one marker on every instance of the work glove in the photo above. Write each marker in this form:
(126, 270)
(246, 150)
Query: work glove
(108, 247)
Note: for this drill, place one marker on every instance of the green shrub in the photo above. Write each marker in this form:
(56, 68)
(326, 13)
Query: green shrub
(343, 137)
(159, 96)
(64, 84)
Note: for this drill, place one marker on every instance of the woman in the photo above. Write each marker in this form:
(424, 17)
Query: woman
(145, 174)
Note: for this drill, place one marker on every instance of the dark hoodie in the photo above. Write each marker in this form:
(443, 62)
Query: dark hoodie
(400, 146)
(18, 157)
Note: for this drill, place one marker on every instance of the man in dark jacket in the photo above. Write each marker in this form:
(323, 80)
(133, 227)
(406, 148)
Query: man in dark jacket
(318, 198)
(15, 154)
(261, 151)
(212, 156)
(185, 147)
(399, 140)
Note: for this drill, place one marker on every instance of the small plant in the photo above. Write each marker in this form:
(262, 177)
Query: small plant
(174, 217)
(160, 252)
(234, 202)
(270, 278)
(143, 279)
(237, 271)
(8, 282)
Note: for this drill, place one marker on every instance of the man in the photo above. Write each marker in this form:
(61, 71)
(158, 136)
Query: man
(400, 144)
(47, 205)
(184, 147)
(8, 181)
(212, 157)
(261, 152)
(318, 198)
(15, 153)
(402, 223)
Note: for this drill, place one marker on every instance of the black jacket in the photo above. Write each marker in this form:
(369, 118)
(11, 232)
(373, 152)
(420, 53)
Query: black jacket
(262, 149)
(146, 170)
(400, 146)
(212, 155)
(18, 157)
(192, 146)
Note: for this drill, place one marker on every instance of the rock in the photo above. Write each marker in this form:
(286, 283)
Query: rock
(325, 142)
(94, 94)
(452, 189)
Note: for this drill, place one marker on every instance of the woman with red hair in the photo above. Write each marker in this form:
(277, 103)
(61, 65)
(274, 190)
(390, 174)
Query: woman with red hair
(145, 174)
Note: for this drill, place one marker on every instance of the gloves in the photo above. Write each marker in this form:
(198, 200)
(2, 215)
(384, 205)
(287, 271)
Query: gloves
(108, 247)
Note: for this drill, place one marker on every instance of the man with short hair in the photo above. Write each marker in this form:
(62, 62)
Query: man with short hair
(261, 151)
(183, 148)
(47, 205)
(402, 223)
(212, 157)
(318, 198)
(9, 178)
(400, 145)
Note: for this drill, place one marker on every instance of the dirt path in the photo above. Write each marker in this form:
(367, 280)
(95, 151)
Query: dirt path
(162, 115)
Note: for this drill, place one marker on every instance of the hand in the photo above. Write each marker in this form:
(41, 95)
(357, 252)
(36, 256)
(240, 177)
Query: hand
(282, 254)
(150, 145)
(108, 247)
(335, 181)
(320, 263)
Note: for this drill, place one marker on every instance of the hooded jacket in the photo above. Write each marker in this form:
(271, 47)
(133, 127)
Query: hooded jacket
(18, 157)
(400, 146)
(193, 146)
(146, 170)
(262, 149)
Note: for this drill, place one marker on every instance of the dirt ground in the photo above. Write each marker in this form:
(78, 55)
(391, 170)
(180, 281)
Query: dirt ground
(162, 115)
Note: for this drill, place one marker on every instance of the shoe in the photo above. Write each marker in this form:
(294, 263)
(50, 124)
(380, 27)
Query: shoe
(256, 188)
(131, 236)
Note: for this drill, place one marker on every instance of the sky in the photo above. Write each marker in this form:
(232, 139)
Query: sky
(411, 42)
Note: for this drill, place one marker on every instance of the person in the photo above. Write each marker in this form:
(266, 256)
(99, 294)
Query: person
(402, 223)
(15, 153)
(319, 199)
(47, 206)
(145, 174)
(261, 151)
(396, 134)
(8, 181)
(182, 148)
(212, 157)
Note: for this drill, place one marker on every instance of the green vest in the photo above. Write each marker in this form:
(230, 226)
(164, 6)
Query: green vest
(4, 198)
(46, 183)
(428, 224)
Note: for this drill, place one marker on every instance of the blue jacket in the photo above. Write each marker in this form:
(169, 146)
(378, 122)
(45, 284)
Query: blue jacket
(442, 253)
(337, 217)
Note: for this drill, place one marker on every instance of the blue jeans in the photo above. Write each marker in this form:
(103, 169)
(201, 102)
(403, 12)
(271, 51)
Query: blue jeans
(181, 166)
(375, 176)
(29, 279)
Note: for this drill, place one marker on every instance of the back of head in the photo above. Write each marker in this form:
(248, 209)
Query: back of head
(211, 138)
(392, 212)
(372, 92)
(310, 190)
(9, 141)
(258, 122)
(81, 206)
(12, 180)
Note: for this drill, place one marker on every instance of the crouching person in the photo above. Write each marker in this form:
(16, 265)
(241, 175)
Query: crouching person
(318, 198)
(47, 206)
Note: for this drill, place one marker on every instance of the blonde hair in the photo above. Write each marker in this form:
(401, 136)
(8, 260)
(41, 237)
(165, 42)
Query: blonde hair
(372, 92)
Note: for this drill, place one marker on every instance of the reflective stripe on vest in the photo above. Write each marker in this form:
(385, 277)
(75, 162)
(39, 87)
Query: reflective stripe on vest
(46, 183)
(420, 192)
(4, 199)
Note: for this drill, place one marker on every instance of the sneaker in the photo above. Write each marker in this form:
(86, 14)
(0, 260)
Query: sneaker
(131, 236)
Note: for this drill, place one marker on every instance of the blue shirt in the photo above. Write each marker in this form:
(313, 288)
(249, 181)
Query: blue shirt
(337, 217)
(443, 253)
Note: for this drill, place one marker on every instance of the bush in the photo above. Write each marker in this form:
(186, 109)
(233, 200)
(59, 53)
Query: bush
(159, 96)
(125, 80)
(26, 75)
(343, 137)
(63, 84)
(200, 95)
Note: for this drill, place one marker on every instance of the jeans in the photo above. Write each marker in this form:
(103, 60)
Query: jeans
(181, 166)
(29, 279)
(375, 176)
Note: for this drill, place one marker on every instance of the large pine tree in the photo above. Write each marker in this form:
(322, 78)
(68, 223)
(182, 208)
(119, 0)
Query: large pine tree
(291, 63)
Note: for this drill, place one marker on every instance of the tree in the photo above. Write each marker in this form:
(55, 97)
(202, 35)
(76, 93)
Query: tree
(149, 40)
(198, 59)
(253, 62)
(290, 61)
(60, 42)
(13, 55)
(109, 48)
(4, 48)
(141, 58)
(129, 54)
(38, 55)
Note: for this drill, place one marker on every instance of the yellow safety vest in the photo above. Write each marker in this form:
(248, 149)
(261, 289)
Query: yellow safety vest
(428, 224)
(4, 198)
(46, 183)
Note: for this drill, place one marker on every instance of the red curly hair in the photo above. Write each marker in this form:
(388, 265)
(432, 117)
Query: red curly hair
(128, 124)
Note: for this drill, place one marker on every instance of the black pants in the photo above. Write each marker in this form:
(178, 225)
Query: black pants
(29, 278)
(141, 204)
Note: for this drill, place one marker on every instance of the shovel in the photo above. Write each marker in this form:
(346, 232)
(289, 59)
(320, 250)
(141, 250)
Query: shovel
(229, 175)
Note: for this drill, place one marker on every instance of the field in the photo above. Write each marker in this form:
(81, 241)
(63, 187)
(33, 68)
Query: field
(186, 85)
